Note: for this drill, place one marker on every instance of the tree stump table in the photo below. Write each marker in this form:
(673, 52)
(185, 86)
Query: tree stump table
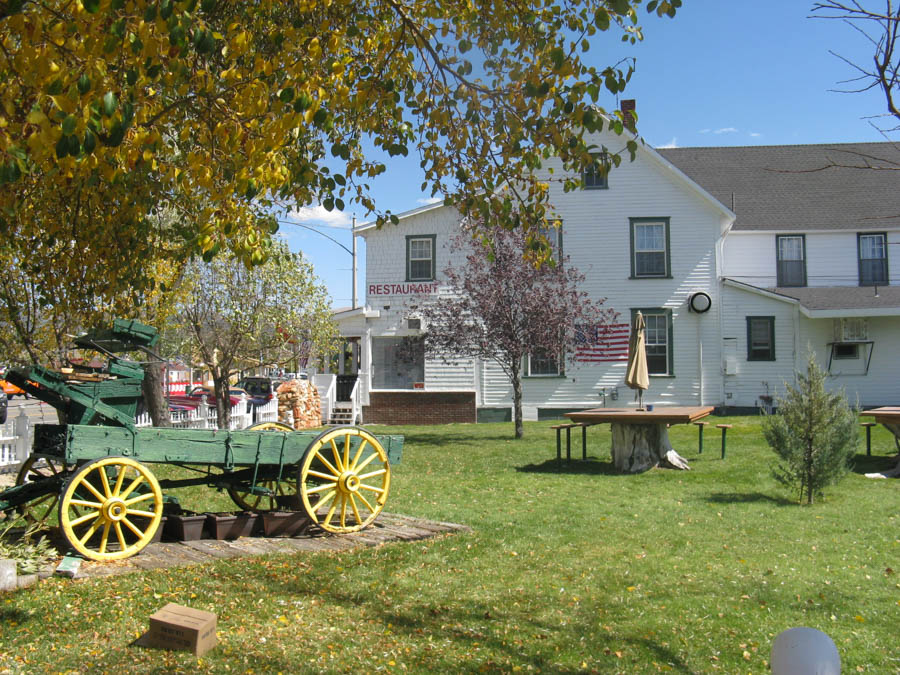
(640, 438)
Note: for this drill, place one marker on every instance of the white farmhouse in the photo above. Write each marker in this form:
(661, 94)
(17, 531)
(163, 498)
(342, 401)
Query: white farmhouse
(738, 258)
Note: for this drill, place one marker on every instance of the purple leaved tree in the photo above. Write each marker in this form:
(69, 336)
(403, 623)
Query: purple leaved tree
(501, 306)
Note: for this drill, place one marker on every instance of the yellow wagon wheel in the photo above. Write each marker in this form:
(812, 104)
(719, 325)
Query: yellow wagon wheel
(344, 479)
(34, 469)
(110, 508)
(284, 491)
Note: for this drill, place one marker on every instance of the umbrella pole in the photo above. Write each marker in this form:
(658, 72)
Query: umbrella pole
(640, 399)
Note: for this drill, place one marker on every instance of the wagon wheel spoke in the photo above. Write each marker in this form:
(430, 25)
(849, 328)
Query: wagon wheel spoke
(284, 486)
(41, 511)
(332, 479)
(113, 528)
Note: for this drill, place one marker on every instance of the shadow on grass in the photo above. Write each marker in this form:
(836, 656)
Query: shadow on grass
(748, 498)
(863, 464)
(592, 466)
(446, 439)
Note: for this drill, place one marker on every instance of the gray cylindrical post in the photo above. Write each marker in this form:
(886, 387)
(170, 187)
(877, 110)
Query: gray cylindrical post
(22, 428)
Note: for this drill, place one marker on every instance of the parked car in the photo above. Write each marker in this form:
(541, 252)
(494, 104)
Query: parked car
(3, 407)
(10, 389)
(260, 388)
(192, 398)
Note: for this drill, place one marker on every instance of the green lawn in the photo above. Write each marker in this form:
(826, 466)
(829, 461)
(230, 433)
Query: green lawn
(567, 570)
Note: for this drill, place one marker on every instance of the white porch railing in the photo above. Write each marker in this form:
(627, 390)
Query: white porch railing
(355, 406)
(326, 383)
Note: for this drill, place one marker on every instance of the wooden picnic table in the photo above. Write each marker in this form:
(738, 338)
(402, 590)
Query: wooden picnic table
(889, 417)
(640, 438)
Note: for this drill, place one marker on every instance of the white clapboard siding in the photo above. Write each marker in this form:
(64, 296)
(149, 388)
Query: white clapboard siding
(756, 378)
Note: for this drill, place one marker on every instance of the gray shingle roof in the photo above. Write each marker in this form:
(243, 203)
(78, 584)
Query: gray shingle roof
(844, 297)
(800, 187)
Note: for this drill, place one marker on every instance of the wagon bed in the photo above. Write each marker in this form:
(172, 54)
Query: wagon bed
(93, 474)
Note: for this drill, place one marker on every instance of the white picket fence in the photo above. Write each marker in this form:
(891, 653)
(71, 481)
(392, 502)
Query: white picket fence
(15, 441)
(15, 434)
(204, 415)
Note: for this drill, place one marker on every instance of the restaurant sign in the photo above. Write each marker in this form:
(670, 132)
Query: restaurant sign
(402, 289)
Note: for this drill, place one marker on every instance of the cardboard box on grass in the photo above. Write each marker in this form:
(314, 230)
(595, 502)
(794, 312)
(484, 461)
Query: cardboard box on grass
(179, 627)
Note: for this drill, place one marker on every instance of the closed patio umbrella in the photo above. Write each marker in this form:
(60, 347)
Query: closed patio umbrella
(636, 376)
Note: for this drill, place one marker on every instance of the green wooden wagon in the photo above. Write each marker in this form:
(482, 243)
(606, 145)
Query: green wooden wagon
(92, 471)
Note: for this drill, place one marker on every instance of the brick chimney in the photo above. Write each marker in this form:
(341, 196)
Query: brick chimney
(628, 108)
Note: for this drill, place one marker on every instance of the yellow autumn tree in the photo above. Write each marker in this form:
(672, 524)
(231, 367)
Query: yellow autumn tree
(219, 110)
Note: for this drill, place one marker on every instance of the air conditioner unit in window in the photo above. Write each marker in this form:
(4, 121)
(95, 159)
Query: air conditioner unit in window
(851, 330)
(414, 324)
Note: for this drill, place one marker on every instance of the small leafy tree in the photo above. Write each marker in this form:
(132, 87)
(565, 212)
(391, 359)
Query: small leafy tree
(813, 434)
(502, 305)
(240, 317)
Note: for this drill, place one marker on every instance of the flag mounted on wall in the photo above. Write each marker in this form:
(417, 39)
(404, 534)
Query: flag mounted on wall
(608, 342)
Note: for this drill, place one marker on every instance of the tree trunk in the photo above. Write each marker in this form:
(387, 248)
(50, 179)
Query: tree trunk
(639, 447)
(154, 395)
(517, 404)
(223, 400)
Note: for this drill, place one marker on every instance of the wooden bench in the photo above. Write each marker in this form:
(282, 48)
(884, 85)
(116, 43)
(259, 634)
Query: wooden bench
(568, 427)
(868, 426)
(724, 428)
(700, 426)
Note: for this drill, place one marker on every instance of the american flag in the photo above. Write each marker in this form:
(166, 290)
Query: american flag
(602, 343)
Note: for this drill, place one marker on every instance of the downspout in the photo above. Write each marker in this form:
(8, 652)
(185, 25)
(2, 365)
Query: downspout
(720, 262)
(700, 358)
(353, 253)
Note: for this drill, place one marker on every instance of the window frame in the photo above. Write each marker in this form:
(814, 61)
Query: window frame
(852, 347)
(633, 223)
(556, 243)
(859, 258)
(779, 277)
(770, 354)
(598, 180)
(410, 238)
(380, 379)
(670, 337)
(560, 369)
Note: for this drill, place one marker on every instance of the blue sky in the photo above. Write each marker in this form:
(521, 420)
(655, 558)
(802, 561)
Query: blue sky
(722, 72)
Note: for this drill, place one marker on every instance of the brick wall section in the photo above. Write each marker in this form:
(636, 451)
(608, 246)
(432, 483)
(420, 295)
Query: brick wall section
(420, 407)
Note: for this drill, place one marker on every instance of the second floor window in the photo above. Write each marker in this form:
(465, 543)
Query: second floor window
(873, 267)
(420, 258)
(649, 248)
(791, 260)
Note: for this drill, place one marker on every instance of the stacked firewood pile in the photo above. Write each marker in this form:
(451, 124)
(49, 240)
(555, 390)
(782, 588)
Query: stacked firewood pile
(301, 399)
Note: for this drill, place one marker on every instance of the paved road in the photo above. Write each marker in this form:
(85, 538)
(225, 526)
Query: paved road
(37, 411)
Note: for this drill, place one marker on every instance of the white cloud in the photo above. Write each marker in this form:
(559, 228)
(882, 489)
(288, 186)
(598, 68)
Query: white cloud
(755, 134)
(705, 131)
(671, 144)
(429, 200)
(318, 214)
(725, 130)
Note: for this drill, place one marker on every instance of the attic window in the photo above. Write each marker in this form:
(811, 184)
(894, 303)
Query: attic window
(597, 176)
